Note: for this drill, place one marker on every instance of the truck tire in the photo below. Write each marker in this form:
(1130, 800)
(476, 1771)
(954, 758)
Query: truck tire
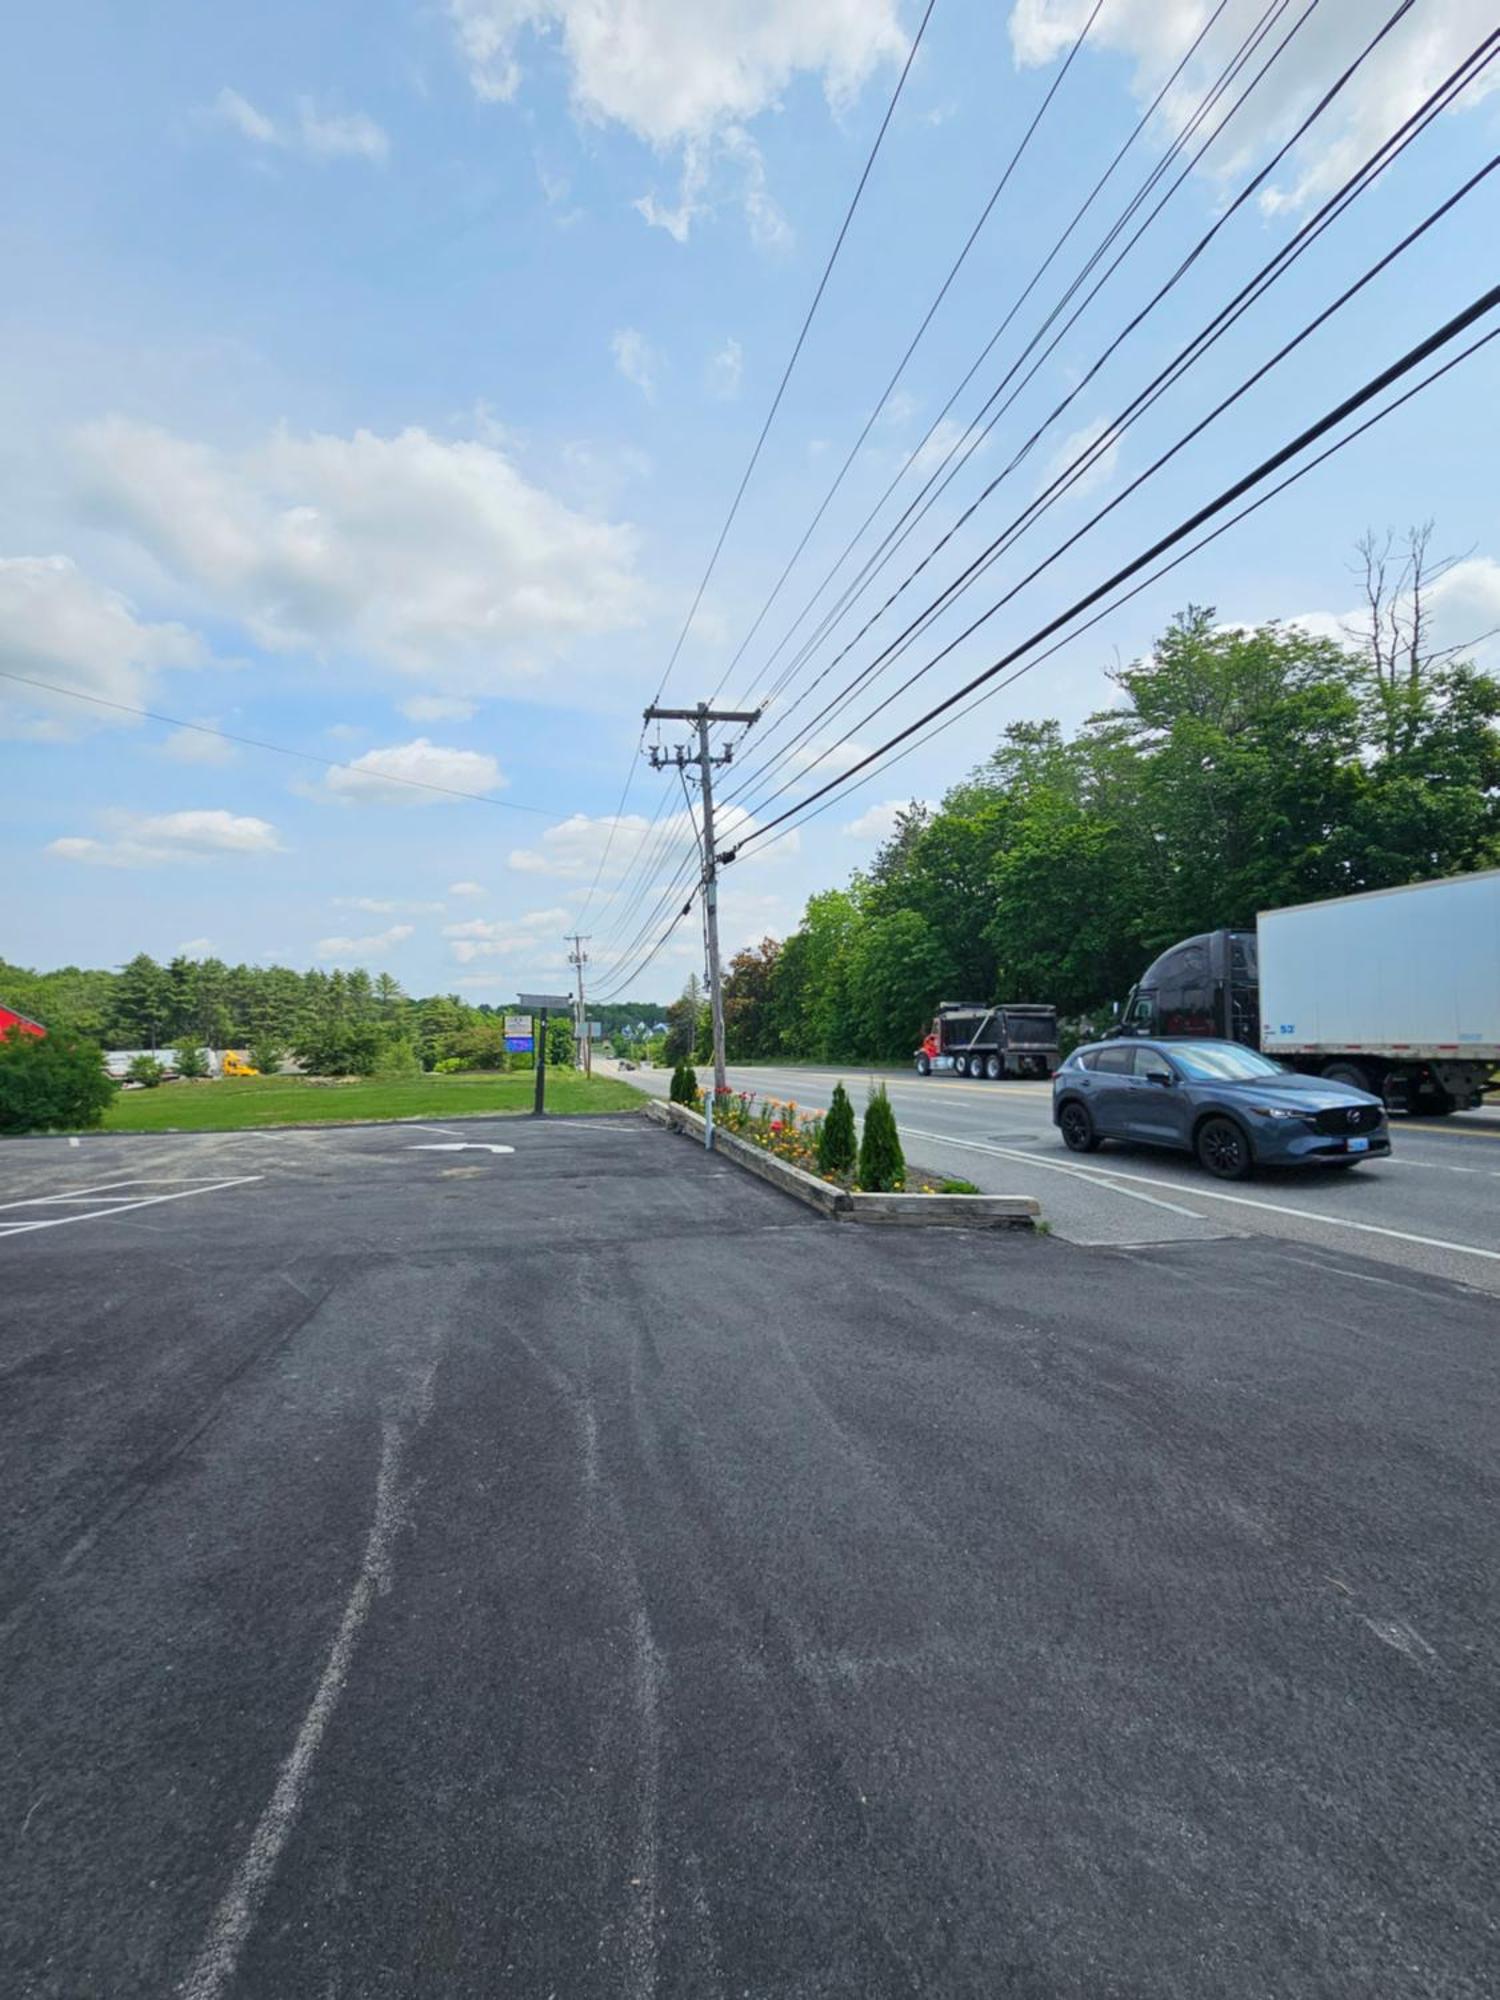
(924, 1065)
(994, 1069)
(960, 1065)
(1352, 1073)
(1223, 1149)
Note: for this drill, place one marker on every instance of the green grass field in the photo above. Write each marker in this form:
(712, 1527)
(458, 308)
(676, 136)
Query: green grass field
(234, 1103)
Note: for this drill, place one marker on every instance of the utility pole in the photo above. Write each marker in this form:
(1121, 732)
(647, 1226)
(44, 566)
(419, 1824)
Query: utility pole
(579, 958)
(705, 717)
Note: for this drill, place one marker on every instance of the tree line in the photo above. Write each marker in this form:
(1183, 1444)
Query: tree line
(1236, 771)
(333, 1023)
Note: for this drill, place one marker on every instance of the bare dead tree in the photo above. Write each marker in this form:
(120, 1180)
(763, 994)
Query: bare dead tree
(1399, 576)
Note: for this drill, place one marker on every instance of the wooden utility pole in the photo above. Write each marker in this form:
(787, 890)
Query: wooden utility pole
(579, 958)
(705, 717)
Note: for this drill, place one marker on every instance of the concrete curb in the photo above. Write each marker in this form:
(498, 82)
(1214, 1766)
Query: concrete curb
(964, 1211)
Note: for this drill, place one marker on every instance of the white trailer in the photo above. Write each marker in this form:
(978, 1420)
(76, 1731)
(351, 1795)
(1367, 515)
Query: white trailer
(1397, 990)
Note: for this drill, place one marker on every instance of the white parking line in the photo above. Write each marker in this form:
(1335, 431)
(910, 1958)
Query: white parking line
(116, 1207)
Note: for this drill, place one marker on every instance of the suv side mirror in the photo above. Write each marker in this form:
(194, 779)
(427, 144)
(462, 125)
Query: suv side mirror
(1161, 1076)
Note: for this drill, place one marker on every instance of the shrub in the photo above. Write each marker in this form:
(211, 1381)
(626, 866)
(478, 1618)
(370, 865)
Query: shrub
(683, 1088)
(836, 1141)
(342, 1048)
(882, 1164)
(51, 1081)
(192, 1060)
(398, 1061)
(267, 1057)
(146, 1070)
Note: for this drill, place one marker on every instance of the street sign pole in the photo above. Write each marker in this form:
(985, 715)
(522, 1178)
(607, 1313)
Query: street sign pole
(543, 1004)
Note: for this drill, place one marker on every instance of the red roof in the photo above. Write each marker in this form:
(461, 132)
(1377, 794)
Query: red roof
(9, 1019)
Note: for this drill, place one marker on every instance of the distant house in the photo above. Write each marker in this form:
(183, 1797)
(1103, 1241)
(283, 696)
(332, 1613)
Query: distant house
(9, 1019)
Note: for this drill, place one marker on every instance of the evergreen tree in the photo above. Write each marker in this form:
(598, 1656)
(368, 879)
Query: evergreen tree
(836, 1142)
(51, 1082)
(882, 1164)
(191, 1059)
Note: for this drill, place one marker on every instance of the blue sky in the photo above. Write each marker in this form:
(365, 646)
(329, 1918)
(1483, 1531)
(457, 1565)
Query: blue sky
(376, 379)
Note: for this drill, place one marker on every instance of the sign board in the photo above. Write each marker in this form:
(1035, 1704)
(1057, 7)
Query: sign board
(518, 1024)
(595, 1031)
(551, 1003)
(519, 1045)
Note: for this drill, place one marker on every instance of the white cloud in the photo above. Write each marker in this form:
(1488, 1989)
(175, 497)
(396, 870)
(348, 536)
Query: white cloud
(194, 746)
(384, 906)
(509, 937)
(321, 135)
(635, 360)
(687, 76)
(363, 947)
(725, 370)
(465, 888)
(877, 822)
(1155, 34)
(574, 848)
(898, 409)
(1086, 440)
(438, 708)
(438, 559)
(394, 776)
(671, 70)
(151, 840)
(57, 625)
(195, 948)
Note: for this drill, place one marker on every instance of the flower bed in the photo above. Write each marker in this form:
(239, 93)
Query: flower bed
(782, 1128)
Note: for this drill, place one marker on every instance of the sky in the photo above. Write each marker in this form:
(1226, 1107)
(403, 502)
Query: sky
(376, 379)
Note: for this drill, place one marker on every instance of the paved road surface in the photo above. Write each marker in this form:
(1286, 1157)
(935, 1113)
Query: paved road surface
(1434, 1206)
(581, 1571)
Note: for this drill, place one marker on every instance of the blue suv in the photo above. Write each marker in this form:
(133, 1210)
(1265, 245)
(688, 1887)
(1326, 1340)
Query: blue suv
(1231, 1106)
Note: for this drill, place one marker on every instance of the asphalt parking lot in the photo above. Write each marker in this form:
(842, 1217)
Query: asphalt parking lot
(577, 1570)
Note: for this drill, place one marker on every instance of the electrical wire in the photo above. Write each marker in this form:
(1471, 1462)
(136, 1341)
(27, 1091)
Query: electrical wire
(786, 377)
(884, 397)
(1443, 336)
(1194, 349)
(1247, 47)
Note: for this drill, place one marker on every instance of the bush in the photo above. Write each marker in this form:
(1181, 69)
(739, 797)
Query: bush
(342, 1048)
(683, 1088)
(882, 1164)
(399, 1061)
(192, 1061)
(51, 1081)
(146, 1070)
(267, 1057)
(836, 1141)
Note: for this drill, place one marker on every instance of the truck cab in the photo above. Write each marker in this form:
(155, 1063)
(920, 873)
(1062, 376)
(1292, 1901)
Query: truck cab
(1207, 985)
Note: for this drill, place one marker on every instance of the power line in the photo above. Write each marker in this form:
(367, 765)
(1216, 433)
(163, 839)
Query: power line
(786, 377)
(927, 319)
(1247, 47)
(277, 749)
(1413, 358)
(1174, 370)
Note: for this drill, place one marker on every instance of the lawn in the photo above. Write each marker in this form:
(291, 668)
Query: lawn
(236, 1102)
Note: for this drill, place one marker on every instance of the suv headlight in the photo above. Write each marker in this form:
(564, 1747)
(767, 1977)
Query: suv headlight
(1275, 1111)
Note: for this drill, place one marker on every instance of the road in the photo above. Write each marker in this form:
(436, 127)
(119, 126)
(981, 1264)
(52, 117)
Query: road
(1433, 1206)
(576, 1569)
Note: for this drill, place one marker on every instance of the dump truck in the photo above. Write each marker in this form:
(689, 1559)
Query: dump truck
(1396, 991)
(971, 1038)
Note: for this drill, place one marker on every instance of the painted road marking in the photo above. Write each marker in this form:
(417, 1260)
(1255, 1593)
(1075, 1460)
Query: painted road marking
(110, 1189)
(1106, 1176)
(1054, 1167)
(116, 1207)
(458, 1146)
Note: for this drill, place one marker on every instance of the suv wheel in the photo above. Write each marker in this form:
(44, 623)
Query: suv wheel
(1077, 1129)
(1224, 1149)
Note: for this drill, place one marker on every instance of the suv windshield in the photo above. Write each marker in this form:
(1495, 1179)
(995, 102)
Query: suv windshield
(1207, 1062)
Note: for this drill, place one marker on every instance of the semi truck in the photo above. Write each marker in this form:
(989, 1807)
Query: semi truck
(1396, 991)
(970, 1038)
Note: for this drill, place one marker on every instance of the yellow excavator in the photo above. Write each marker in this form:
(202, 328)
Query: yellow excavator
(234, 1064)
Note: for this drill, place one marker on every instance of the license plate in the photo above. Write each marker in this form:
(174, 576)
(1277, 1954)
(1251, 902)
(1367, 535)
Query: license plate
(1359, 1145)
